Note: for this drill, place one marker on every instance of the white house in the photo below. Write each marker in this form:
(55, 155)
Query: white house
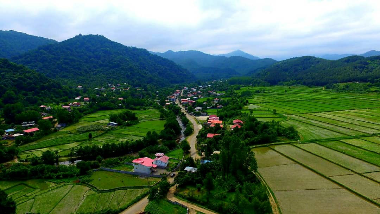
(190, 169)
(143, 165)
(161, 160)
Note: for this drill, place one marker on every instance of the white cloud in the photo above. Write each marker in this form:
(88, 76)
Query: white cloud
(263, 28)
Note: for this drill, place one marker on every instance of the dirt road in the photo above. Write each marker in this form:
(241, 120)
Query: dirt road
(192, 138)
(137, 207)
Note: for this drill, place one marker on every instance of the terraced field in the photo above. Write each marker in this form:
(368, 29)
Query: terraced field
(335, 167)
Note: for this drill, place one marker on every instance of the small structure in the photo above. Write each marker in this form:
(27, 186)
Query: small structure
(161, 160)
(113, 124)
(143, 165)
(78, 98)
(235, 126)
(190, 169)
(9, 131)
(86, 99)
(47, 118)
(238, 122)
(27, 124)
(67, 108)
(120, 98)
(76, 104)
(205, 161)
(211, 135)
(198, 108)
(31, 130)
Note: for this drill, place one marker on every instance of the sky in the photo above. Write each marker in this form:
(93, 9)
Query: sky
(266, 28)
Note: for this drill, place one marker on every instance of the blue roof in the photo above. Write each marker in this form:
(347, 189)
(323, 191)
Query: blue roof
(9, 130)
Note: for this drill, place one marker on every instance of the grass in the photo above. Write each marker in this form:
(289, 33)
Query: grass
(363, 144)
(164, 207)
(70, 203)
(111, 180)
(178, 153)
(52, 197)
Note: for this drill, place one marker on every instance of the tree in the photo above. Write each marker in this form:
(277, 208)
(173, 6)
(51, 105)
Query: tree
(208, 183)
(45, 125)
(185, 147)
(49, 157)
(90, 136)
(7, 205)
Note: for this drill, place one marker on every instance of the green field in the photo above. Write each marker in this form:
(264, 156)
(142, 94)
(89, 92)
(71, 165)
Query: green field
(164, 207)
(96, 124)
(111, 180)
(339, 146)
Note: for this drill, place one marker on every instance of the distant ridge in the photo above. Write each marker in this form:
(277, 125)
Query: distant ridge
(240, 53)
(205, 66)
(13, 43)
(96, 60)
(340, 56)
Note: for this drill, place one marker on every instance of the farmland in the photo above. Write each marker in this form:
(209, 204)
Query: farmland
(77, 134)
(43, 196)
(336, 163)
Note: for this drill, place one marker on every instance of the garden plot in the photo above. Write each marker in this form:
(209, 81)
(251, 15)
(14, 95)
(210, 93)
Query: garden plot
(316, 163)
(373, 139)
(374, 175)
(118, 198)
(337, 201)
(363, 144)
(339, 158)
(111, 180)
(266, 157)
(370, 157)
(71, 202)
(357, 115)
(24, 207)
(103, 200)
(89, 203)
(310, 132)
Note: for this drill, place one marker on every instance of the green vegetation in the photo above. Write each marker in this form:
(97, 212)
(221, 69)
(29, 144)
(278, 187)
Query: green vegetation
(112, 180)
(117, 63)
(164, 207)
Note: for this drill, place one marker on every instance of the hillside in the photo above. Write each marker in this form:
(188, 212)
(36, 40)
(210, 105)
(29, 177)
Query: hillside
(240, 53)
(95, 60)
(13, 43)
(20, 84)
(316, 71)
(206, 66)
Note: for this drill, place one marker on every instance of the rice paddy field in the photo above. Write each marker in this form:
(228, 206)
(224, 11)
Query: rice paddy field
(335, 167)
(43, 196)
(77, 134)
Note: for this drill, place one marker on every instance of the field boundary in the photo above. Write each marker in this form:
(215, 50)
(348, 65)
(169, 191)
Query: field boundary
(275, 209)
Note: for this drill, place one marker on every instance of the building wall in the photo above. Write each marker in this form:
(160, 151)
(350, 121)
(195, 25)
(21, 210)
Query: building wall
(160, 163)
(141, 168)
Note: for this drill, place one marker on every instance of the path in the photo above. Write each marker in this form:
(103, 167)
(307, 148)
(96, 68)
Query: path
(138, 207)
(272, 201)
(192, 139)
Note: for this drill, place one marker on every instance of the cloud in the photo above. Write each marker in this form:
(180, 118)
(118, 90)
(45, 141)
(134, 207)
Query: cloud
(273, 28)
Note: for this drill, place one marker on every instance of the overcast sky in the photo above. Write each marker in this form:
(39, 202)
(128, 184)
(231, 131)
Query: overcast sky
(265, 28)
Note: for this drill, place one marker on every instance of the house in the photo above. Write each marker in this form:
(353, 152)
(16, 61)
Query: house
(9, 131)
(212, 116)
(27, 124)
(78, 98)
(214, 124)
(86, 99)
(47, 118)
(67, 108)
(235, 126)
(184, 101)
(143, 165)
(205, 161)
(80, 87)
(76, 104)
(198, 108)
(161, 160)
(190, 169)
(113, 124)
(238, 122)
(211, 135)
(32, 130)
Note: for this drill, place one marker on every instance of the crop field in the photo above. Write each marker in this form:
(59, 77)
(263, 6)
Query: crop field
(43, 196)
(111, 180)
(336, 163)
(96, 124)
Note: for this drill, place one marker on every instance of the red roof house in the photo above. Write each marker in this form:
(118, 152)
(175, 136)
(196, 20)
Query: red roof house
(161, 160)
(31, 130)
(143, 165)
(238, 122)
(211, 135)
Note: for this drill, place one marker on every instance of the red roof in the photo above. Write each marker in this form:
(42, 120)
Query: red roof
(211, 116)
(42, 106)
(86, 98)
(211, 135)
(145, 162)
(47, 118)
(213, 125)
(164, 159)
(238, 121)
(31, 130)
(234, 126)
(65, 106)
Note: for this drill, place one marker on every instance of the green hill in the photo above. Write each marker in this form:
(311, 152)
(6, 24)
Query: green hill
(316, 71)
(13, 43)
(94, 60)
(20, 84)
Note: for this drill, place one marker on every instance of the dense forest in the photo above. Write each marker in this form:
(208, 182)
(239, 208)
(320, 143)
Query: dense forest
(19, 84)
(309, 70)
(205, 66)
(95, 60)
(13, 43)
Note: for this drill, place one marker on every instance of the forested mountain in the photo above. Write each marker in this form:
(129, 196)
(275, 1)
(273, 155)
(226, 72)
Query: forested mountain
(340, 56)
(13, 43)
(316, 71)
(240, 53)
(96, 60)
(371, 53)
(206, 66)
(20, 84)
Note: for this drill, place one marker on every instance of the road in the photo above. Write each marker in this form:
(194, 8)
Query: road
(138, 207)
(192, 139)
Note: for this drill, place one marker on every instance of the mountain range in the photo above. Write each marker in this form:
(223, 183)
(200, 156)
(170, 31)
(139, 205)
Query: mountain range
(95, 60)
(340, 56)
(240, 53)
(205, 66)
